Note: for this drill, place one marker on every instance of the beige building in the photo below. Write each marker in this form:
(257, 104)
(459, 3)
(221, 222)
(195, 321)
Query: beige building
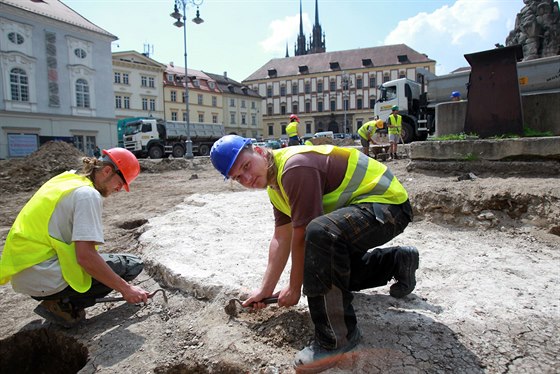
(205, 98)
(241, 107)
(138, 85)
(330, 91)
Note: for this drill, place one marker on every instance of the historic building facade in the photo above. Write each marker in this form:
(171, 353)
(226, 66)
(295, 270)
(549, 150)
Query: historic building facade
(241, 107)
(205, 99)
(138, 85)
(330, 91)
(55, 67)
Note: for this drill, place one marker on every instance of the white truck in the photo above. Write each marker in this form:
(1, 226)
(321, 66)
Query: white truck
(156, 138)
(417, 103)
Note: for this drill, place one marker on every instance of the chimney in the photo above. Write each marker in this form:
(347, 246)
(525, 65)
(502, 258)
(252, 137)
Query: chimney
(225, 74)
(171, 64)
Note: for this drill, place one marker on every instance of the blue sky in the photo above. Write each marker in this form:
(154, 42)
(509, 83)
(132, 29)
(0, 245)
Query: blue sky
(238, 37)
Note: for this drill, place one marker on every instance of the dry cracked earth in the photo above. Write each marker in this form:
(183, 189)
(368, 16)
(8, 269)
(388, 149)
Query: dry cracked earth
(487, 299)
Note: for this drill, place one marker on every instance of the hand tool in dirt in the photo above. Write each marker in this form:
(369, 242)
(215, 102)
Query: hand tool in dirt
(404, 147)
(231, 307)
(120, 298)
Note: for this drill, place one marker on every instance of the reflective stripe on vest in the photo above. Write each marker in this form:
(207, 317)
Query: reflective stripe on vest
(365, 180)
(291, 129)
(395, 122)
(28, 243)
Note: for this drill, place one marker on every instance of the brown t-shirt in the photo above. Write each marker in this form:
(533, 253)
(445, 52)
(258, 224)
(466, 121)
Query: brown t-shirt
(306, 178)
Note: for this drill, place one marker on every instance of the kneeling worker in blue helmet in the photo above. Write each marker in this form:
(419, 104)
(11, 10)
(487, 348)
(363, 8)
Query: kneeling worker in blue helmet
(331, 206)
(51, 253)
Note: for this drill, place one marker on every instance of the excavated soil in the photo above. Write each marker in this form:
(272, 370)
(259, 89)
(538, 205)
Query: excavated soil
(487, 299)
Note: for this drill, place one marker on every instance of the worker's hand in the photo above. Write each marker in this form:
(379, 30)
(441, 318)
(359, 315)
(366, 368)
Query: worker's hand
(135, 295)
(253, 301)
(289, 297)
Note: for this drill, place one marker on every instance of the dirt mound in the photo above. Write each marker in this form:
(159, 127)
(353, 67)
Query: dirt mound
(28, 173)
(168, 164)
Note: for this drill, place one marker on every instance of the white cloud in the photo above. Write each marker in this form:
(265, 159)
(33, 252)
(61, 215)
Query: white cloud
(285, 31)
(449, 32)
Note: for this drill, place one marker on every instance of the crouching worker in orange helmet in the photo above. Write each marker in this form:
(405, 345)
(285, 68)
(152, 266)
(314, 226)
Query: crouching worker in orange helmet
(51, 250)
(331, 207)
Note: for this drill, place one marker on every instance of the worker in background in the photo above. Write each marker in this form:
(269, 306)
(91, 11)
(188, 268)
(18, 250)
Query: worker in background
(293, 131)
(394, 126)
(455, 96)
(329, 227)
(51, 253)
(366, 132)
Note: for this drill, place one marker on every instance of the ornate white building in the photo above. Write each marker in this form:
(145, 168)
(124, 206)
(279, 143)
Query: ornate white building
(55, 67)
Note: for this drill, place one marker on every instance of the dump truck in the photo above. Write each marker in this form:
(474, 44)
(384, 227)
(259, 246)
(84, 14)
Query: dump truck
(157, 138)
(417, 100)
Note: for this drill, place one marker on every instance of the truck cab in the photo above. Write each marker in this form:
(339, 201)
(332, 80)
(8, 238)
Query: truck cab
(407, 95)
(142, 135)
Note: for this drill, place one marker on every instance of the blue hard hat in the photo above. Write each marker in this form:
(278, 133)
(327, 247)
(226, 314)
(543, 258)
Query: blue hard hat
(455, 94)
(225, 150)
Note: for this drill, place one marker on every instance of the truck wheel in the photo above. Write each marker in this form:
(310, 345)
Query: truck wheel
(422, 136)
(178, 151)
(204, 150)
(155, 152)
(407, 132)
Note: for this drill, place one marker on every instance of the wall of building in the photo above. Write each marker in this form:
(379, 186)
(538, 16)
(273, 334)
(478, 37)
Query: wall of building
(540, 113)
(54, 55)
(315, 105)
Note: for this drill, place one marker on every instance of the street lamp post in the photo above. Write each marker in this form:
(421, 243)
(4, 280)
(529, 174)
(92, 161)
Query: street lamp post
(345, 96)
(178, 23)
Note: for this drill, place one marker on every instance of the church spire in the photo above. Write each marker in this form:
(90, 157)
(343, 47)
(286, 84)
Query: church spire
(317, 42)
(301, 43)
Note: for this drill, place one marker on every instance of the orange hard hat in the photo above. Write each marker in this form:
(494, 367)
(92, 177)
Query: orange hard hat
(125, 163)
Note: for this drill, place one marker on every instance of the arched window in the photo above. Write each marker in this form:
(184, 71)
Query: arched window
(19, 85)
(82, 94)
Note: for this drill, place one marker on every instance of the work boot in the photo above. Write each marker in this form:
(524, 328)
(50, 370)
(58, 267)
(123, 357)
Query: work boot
(63, 314)
(406, 263)
(314, 358)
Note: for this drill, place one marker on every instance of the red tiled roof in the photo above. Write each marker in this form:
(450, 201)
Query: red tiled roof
(192, 74)
(347, 60)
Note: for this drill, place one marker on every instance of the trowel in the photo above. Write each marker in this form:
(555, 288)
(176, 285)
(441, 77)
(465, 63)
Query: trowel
(231, 307)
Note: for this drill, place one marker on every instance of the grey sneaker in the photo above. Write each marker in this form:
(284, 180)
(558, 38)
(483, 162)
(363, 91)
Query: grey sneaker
(314, 358)
(60, 313)
(407, 260)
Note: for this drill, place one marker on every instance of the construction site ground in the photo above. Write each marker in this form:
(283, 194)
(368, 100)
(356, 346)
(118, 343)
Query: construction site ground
(487, 298)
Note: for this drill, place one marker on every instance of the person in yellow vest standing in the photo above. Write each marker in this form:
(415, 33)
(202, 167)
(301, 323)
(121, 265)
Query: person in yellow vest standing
(50, 252)
(394, 125)
(293, 131)
(332, 205)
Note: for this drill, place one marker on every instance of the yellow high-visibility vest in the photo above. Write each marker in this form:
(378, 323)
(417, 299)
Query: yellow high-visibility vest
(291, 129)
(368, 127)
(395, 122)
(28, 243)
(365, 180)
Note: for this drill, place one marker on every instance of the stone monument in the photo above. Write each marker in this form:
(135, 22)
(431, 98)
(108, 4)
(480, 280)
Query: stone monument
(537, 29)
